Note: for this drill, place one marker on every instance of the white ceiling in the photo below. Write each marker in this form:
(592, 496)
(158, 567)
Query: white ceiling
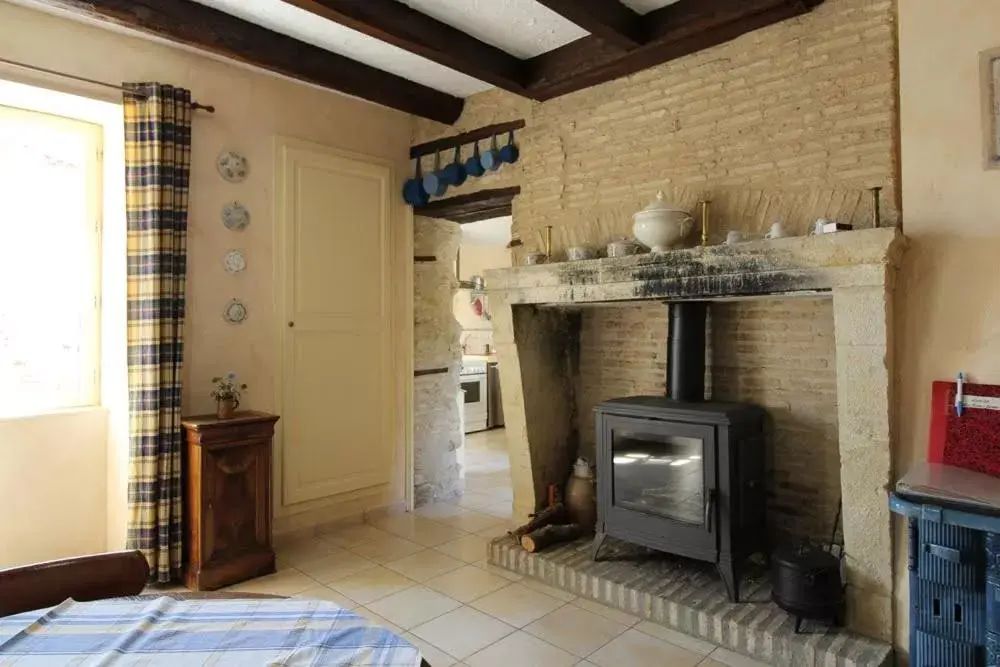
(523, 28)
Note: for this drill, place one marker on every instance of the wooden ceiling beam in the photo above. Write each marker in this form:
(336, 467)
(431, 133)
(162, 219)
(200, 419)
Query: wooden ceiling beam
(610, 20)
(676, 30)
(208, 29)
(481, 205)
(397, 24)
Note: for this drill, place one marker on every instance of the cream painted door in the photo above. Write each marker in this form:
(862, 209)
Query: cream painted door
(333, 237)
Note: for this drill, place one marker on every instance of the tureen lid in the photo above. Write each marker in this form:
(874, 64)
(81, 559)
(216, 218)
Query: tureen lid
(659, 204)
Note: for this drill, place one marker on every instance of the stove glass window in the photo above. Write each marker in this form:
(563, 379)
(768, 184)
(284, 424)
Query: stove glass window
(660, 474)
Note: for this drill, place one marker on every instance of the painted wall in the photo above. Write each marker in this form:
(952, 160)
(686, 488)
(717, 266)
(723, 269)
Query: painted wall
(477, 332)
(948, 310)
(252, 108)
(53, 486)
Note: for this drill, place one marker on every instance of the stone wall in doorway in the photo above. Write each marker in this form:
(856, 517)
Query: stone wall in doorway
(437, 359)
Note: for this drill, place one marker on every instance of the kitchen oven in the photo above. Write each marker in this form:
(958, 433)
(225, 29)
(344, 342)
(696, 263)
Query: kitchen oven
(476, 396)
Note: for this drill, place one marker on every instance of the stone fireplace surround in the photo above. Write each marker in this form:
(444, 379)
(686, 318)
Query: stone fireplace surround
(532, 314)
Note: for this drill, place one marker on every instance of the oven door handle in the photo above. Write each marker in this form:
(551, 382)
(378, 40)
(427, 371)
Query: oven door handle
(709, 509)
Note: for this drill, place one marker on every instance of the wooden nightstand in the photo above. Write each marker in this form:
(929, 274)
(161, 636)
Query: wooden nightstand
(227, 474)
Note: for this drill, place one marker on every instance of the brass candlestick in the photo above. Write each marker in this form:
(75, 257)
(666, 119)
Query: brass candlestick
(548, 241)
(704, 221)
(876, 207)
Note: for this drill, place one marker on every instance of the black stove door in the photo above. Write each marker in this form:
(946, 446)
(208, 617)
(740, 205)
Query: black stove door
(663, 484)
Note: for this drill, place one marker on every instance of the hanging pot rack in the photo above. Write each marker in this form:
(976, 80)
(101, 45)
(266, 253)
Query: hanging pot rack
(457, 140)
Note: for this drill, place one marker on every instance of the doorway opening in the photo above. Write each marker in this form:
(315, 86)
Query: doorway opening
(484, 245)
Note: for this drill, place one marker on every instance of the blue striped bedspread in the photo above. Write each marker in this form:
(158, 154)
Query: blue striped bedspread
(220, 633)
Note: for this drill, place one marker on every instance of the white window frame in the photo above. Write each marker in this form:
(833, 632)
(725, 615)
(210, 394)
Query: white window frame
(93, 135)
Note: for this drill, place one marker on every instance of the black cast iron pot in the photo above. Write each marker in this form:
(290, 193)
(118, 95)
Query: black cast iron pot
(806, 582)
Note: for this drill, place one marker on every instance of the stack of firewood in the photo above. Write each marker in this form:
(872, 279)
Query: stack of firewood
(550, 526)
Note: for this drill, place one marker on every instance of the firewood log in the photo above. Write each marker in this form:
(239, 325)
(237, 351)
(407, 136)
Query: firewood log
(555, 514)
(549, 535)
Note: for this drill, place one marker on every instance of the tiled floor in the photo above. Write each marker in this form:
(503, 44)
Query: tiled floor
(424, 576)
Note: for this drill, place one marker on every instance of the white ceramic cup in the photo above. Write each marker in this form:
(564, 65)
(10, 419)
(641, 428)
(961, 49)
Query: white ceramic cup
(777, 232)
(734, 237)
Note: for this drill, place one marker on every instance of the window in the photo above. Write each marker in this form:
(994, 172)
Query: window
(50, 219)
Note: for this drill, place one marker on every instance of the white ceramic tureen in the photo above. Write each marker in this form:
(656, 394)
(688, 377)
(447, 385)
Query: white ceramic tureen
(661, 225)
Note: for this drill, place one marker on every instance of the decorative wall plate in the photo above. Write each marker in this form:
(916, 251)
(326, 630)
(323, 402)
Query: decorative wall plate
(235, 312)
(232, 166)
(234, 261)
(235, 216)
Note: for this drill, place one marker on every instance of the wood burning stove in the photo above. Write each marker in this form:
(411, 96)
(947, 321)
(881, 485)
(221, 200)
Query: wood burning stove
(679, 474)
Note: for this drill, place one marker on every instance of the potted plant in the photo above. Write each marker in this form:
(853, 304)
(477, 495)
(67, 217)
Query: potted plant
(227, 395)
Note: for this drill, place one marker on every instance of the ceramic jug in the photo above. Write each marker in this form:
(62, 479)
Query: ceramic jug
(581, 496)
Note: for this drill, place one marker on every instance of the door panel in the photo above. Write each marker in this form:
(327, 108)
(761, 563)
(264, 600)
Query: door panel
(335, 382)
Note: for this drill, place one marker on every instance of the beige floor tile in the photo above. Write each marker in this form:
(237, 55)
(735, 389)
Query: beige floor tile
(607, 612)
(372, 584)
(467, 583)
(401, 525)
(726, 657)
(353, 535)
(434, 656)
(304, 550)
(471, 521)
(585, 663)
(425, 565)
(328, 594)
(438, 511)
(413, 606)
(708, 662)
(693, 644)
(421, 530)
(575, 630)
(635, 648)
(469, 549)
(476, 501)
(286, 582)
(499, 571)
(463, 632)
(431, 533)
(378, 620)
(556, 593)
(517, 605)
(504, 509)
(340, 565)
(386, 548)
(523, 650)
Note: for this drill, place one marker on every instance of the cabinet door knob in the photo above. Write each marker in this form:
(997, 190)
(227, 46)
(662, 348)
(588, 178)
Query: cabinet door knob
(291, 324)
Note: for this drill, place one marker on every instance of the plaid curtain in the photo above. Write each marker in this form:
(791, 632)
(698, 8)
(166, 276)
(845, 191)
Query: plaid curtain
(157, 170)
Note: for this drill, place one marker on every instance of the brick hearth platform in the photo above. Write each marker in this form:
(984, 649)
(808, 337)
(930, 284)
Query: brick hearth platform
(689, 597)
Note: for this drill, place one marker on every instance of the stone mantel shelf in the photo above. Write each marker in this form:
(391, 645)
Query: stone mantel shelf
(779, 267)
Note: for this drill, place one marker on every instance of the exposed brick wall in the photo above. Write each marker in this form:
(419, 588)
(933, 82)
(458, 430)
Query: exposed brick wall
(623, 352)
(790, 122)
(779, 354)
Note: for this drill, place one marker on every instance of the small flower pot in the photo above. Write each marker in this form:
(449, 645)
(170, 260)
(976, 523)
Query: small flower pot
(225, 408)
